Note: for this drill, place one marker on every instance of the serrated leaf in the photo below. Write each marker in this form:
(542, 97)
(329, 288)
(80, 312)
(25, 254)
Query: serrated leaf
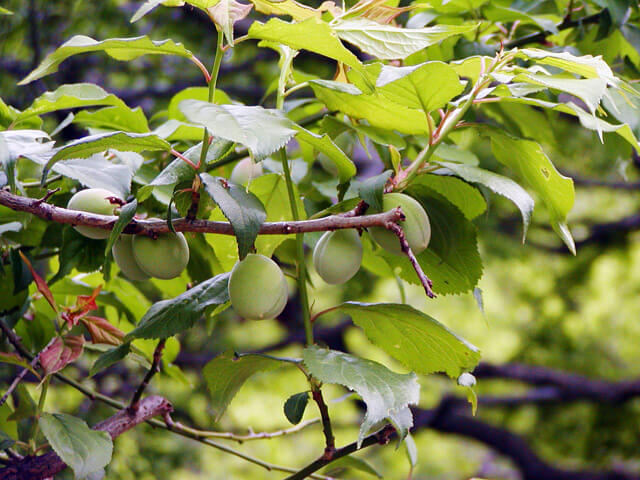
(261, 130)
(323, 143)
(194, 93)
(118, 48)
(243, 209)
(414, 338)
(225, 13)
(295, 10)
(372, 188)
(498, 184)
(226, 374)
(109, 358)
(295, 406)
(387, 394)
(379, 111)
(114, 119)
(70, 96)
(169, 317)
(97, 172)
(388, 42)
(464, 196)
(311, 34)
(83, 449)
(527, 159)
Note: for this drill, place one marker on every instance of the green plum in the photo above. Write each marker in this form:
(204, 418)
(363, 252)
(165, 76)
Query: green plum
(416, 226)
(123, 255)
(337, 256)
(94, 200)
(257, 288)
(164, 257)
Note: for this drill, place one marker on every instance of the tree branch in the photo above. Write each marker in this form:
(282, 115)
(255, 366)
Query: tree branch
(566, 23)
(155, 368)
(48, 465)
(52, 213)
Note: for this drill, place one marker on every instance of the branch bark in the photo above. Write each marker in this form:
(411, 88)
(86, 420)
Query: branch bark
(52, 213)
(48, 465)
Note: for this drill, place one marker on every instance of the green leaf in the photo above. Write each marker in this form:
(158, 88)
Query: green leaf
(118, 48)
(226, 374)
(378, 110)
(466, 197)
(126, 142)
(324, 144)
(529, 162)
(428, 86)
(5, 440)
(295, 406)
(109, 358)
(498, 184)
(243, 209)
(388, 42)
(70, 96)
(417, 340)
(77, 252)
(311, 34)
(114, 119)
(350, 463)
(83, 449)
(372, 188)
(15, 359)
(194, 93)
(169, 317)
(97, 172)
(127, 212)
(412, 451)
(4, 11)
(387, 394)
(452, 260)
(261, 130)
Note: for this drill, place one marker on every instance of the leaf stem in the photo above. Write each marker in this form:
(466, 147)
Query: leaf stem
(215, 70)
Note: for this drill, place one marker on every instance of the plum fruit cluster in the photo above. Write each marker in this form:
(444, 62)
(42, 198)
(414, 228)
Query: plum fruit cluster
(138, 256)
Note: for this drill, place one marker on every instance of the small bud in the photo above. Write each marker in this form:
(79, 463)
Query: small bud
(466, 380)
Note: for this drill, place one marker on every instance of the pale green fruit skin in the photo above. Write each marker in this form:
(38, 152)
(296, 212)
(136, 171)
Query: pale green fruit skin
(257, 288)
(165, 257)
(93, 200)
(123, 255)
(246, 170)
(416, 226)
(337, 256)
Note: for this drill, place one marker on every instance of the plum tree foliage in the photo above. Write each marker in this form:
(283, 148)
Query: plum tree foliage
(240, 193)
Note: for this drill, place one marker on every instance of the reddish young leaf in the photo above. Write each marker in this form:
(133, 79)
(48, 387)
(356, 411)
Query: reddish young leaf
(101, 331)
(84, 304)
(60, 352)
(42, 286)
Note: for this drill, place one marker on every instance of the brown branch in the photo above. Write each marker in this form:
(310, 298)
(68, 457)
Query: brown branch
(330, 444)
(154, 227)
(424, 280)
(155, 368)
(48, 465)
(16, 381)
(566, 23)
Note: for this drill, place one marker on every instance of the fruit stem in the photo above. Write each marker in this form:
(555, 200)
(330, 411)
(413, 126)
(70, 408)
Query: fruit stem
(215, 70)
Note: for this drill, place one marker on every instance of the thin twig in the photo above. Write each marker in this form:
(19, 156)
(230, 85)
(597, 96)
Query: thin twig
(16, 381)
(155, 368)
(424, 280)
(330, 443)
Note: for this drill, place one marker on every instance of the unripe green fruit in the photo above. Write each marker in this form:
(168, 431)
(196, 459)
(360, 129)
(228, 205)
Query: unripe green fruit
(165, 257)
(93, 200)
(123, 255)
(338, 255)
(257, 288)
(416, 226)
(246, 170)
